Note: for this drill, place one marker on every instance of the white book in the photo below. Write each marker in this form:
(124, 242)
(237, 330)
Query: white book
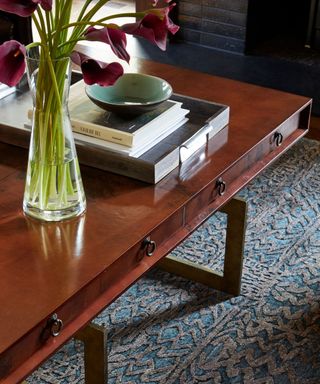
(136, 131)
(135, 151)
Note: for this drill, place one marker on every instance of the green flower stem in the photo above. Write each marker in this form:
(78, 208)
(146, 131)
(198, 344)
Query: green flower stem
(101, 22)
(38, 26)
(60, 35)
(69, 42)
(80, 25)
(49, 173)
(57, 13)
(94, 9)
(84, 8)
(48, 23)
(43, 27)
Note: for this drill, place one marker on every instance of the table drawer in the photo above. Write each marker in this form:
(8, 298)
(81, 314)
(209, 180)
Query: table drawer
(221, 185)
(44, 338)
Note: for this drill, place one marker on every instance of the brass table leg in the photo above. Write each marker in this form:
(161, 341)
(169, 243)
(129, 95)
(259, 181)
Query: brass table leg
(230, 280)
(94, 338)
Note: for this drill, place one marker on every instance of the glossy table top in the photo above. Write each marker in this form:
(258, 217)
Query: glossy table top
(43, 266)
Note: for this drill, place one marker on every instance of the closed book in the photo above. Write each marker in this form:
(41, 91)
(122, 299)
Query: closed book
(136, 150)
(90, 120)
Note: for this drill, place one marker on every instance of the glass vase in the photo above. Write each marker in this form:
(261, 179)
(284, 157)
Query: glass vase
(53, 189)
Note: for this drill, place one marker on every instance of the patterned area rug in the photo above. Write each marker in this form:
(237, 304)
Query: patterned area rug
(166, 330)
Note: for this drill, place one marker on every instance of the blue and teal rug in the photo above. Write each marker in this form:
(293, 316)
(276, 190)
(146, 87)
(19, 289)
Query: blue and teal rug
(166, 330)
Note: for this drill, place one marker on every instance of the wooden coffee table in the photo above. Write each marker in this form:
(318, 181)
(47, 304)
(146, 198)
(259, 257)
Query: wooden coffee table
(55, 278)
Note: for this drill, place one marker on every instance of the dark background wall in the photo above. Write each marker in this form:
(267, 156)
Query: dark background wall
(218, 24)
(273, 21)
(240, 25)
(15, 27)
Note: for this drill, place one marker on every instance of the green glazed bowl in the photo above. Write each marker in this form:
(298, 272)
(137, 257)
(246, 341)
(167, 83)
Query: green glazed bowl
(132, 94)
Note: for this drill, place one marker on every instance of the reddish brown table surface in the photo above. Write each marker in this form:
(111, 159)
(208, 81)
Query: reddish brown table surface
(78, 267)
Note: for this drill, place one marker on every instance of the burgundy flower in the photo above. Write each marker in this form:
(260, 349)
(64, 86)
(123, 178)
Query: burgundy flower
(97, 72)
(12, 62)
(24, 8)
(46, 4)
(112, 36)
(154, 26)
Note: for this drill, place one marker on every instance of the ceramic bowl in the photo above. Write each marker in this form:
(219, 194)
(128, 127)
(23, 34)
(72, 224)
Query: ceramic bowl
(132, 94)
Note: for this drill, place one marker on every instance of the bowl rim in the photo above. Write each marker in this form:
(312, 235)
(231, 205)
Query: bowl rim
(130, 103)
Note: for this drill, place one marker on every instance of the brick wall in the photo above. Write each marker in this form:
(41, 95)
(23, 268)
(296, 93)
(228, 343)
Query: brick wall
(219, 24)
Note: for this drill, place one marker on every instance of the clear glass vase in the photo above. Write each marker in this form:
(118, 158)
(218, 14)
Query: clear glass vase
(53, 189)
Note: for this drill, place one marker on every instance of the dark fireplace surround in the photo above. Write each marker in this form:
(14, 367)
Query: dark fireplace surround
(241, 26)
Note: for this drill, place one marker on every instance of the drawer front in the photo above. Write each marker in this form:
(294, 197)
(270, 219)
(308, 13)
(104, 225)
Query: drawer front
(222, 184)
(51, 333)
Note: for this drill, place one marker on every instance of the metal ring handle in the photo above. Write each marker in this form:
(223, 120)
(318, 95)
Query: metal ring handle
(221, 185)
(56, 325)
(278, 137)
(149, 246)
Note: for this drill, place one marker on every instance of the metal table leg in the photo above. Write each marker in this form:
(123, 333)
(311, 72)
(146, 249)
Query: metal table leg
(230, 280)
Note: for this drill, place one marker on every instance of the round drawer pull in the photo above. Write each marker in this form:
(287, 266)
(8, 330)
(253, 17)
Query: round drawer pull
(55, 325)
(221, 185)
(278, 137)
(149, 246)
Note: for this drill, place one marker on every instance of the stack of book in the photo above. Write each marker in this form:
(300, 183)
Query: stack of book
(129, 135)
(149, 146)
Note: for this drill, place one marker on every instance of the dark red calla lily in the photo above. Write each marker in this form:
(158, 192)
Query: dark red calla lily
(154, 26)
(46, 4)
(97, 72)
(24, 8)
(110, 35)
(12, 62)
(19, 7)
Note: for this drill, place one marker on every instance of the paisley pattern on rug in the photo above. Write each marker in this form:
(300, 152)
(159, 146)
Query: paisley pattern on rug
(167, 330)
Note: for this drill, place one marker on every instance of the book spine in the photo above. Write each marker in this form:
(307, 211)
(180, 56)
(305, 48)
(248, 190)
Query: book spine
(95, 131)
(102, 134)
